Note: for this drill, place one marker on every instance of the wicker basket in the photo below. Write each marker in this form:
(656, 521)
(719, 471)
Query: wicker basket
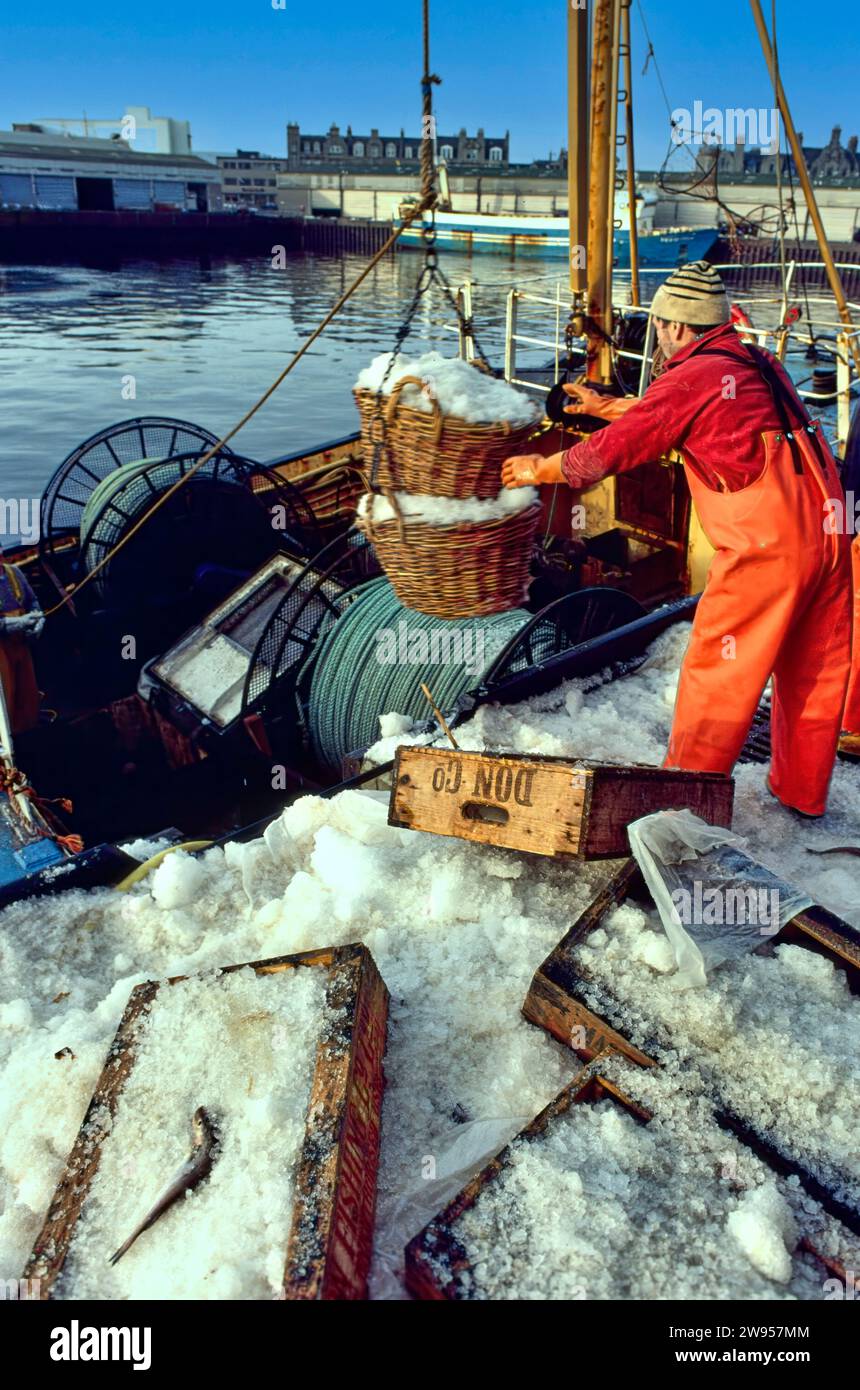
(428, 452)
(462, 571)
(332, 492)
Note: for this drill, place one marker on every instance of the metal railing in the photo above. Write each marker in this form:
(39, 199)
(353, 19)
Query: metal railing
(826, 333)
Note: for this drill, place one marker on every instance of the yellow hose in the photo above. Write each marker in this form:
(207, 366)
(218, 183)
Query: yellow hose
(143, 869)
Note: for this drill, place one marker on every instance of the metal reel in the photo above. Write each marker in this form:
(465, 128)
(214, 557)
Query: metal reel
(565, 623)
(150, 436)
(231, 513)
(308, 610)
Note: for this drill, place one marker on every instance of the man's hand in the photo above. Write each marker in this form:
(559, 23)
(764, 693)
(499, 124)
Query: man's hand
(530, 470)
(586, 401)
(521, 470)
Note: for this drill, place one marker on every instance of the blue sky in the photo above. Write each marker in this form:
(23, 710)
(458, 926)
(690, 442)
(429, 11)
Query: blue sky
(238, 71)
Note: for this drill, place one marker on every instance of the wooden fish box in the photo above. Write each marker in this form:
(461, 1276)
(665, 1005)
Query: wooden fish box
(555, 1002)
(553, 806)
(330, 1242)
(437, 1263)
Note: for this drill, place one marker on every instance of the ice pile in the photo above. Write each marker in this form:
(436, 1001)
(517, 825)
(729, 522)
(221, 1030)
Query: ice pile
(457, 933)
(447, 511)
(459, 388)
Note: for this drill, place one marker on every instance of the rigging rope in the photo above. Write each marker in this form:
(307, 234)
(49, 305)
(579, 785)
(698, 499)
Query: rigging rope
(775, 81)
(249, 414)
(427, 200)
(703, 173)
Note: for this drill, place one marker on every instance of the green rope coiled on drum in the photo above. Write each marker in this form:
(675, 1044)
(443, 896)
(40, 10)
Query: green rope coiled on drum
(360, 673)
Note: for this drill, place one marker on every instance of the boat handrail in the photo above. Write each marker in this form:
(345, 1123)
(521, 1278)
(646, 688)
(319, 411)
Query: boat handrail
(783, 336)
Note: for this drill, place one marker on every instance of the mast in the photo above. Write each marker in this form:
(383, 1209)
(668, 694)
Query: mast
(833, 275)
(600, 195)
(631, 162)
(577, 146)
(612, 146)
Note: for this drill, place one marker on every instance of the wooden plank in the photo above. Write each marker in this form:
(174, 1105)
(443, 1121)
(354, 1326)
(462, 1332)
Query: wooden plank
(543, 805)
(330, 1243)
(331, 1240)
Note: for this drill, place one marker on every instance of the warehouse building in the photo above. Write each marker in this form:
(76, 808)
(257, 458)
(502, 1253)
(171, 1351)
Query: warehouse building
(40, 169)
(249, 179)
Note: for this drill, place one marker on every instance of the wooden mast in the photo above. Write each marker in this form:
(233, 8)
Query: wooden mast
(577, 146)
(600, 194)
(833, 275)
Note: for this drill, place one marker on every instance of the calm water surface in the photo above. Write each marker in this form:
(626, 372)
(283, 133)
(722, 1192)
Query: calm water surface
(202, 341)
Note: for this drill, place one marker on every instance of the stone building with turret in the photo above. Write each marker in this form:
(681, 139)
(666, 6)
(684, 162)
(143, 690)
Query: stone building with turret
(826, 164)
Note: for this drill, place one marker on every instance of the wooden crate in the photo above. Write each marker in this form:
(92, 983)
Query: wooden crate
(437, 1263)
(552, 806)
(555, 1002)
(329, 1248)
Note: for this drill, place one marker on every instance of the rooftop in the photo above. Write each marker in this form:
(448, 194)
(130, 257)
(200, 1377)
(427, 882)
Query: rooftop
(43, 145)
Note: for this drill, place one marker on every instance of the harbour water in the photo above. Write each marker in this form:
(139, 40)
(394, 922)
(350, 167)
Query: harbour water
(81, 348)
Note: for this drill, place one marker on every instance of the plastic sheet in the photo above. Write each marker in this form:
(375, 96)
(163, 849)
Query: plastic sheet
(462, 1153)
(715, 902)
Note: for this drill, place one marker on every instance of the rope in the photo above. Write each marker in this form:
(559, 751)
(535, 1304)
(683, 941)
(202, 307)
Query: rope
(427, 200)
(775, 81)
(430, 271)
(428, 191)
(652, 54)
(356, 679)
(702, 173)
(147, 865)
(249, 414)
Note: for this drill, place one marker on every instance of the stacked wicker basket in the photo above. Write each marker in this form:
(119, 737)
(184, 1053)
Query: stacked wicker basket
(466, 569)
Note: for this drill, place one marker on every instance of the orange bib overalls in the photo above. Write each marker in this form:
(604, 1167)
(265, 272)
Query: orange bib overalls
(851, 717)
(777, 601)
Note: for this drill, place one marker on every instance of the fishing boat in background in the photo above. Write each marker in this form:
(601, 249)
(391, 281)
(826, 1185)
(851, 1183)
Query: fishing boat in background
(548, 238)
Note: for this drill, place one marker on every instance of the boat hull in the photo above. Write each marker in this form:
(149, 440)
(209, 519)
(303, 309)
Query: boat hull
(548, 238)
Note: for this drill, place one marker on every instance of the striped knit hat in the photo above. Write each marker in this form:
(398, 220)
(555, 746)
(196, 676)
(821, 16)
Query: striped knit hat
(693, 294)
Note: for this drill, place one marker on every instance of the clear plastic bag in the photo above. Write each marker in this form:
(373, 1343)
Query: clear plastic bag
(715, 902)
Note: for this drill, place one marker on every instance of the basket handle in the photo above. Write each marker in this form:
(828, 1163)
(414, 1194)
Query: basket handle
(367, 521)
(395, 397)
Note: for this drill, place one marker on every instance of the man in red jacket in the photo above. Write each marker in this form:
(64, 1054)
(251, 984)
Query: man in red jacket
(778, 596)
